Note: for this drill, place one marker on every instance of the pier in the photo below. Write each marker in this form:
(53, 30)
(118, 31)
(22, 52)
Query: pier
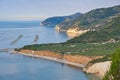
(16, 40)
(36, 38)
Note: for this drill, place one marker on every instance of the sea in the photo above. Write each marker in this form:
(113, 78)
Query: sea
(19, 67)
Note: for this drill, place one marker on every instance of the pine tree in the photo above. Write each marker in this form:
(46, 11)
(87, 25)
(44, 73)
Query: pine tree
(114, 72)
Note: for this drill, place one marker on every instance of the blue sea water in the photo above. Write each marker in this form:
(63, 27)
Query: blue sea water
(19, 67)
(9, 31)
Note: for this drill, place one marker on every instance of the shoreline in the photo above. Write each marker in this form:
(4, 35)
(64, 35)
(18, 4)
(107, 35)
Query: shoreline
(74, 60)
(53, 59)
(67, 58)
(80, 61)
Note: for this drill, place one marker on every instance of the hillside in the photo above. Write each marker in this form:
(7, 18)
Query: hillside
(52, 21)
(110, 31)
(92, 19)
(101, 42)
(105, 39)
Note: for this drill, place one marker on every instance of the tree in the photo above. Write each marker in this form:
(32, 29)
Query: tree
(114, 72)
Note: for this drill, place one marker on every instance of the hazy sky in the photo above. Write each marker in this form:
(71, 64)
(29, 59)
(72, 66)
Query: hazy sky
(39, 9)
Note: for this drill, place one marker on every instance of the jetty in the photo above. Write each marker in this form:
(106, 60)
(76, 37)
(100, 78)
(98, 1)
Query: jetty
(36, 38)
(8, 50)
(16, 40)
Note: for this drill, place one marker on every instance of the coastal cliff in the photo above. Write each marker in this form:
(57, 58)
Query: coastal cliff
(79, 59)
(72, 32)
(99, 69)
(76, 31)
(93, 19)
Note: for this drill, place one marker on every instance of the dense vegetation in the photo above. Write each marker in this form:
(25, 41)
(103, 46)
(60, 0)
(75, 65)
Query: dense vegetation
(106, 57)
(114, 72)
(52, 21)
(91, 19)
(77, 48)
(91, 43)
(106, 33)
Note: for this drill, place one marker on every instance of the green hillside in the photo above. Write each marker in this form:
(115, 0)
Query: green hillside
(102, 41)
(91, 43)
(110, 31)
(77, 48)
(92, 19)
(52, 21)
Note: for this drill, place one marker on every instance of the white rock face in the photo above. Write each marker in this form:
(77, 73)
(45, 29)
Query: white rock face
(73, 32)
(99, 68)
(57, 27)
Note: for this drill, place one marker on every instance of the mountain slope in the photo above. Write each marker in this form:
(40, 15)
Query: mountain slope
(52, 21)
(110, 31)
(92, 19)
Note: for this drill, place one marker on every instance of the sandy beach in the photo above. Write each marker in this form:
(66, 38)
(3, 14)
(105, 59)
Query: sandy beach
(54, 59)
(75, 60)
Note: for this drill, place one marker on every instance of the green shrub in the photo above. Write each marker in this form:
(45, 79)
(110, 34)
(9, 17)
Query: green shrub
(114, 72)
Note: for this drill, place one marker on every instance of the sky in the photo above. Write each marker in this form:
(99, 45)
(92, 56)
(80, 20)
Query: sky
(41, 9)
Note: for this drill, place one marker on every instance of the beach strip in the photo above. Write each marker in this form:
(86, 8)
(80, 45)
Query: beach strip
(53, 59)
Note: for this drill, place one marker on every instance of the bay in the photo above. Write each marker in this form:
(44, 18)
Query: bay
(19, 67)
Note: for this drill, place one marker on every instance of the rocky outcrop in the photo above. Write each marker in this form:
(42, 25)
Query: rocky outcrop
(99, 69)
(94, 19)
(77, 30)
(57, 28)
(73, 32)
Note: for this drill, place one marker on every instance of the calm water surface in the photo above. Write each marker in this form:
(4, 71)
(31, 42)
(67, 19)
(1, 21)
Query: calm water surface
(19, 67)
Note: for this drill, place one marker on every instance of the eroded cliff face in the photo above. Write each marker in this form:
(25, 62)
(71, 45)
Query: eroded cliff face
(79, 59)
(42, 53)
(77, 31)
(99, 69)
(73, 32)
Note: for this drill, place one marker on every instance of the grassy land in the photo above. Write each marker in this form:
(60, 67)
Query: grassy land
(90, 49)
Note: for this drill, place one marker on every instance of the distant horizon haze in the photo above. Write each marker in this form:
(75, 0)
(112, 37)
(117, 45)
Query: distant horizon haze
(22, 10)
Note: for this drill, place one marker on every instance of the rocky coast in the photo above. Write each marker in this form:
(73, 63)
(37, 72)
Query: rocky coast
(81, 61)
